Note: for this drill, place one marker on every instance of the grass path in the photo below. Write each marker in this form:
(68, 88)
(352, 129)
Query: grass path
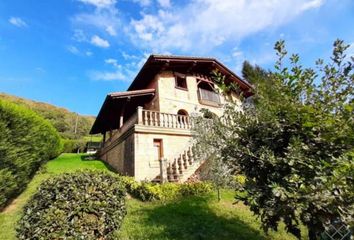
(199, 218)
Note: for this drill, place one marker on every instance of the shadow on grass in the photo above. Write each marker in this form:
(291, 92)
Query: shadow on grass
(191, 218)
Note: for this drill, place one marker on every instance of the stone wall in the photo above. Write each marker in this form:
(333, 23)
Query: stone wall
(121, 154)
(172, 99)
(173, 143)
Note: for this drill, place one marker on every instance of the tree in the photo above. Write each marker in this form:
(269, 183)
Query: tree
(294, 144)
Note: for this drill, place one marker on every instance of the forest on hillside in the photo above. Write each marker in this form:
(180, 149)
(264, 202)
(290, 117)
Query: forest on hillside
(70, 125)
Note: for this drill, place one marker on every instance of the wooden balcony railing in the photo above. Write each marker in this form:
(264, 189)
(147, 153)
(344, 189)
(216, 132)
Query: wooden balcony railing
(208, 97)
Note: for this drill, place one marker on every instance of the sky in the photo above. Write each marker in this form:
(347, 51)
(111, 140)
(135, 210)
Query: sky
(72, 53)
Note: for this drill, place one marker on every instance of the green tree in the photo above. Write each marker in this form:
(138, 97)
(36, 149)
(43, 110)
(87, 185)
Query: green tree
(294, 144)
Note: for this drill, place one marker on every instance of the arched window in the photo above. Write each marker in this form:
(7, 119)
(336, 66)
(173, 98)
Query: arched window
(182, 112)
(182, 117)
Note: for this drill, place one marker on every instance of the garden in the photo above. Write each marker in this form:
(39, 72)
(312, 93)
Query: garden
(200, 216)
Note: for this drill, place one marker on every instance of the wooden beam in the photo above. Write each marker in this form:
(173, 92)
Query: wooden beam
(165, 65)
(122, 111)
(192, 66)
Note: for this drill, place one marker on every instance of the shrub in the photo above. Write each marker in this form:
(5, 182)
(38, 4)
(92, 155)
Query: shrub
(73, 146)
(195, 189)
(147, 191)
(27, 141)
(81, 205)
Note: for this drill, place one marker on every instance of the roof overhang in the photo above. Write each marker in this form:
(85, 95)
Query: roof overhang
(201, 65)
(108, 117)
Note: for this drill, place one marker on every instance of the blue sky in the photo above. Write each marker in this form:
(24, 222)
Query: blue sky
(71, 53)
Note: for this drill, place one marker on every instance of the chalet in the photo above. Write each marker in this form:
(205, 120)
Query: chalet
(147, 129)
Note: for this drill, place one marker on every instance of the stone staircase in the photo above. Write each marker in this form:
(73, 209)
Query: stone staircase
(182, 167)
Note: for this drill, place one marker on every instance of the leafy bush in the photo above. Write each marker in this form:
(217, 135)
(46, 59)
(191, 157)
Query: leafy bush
(27, 141)
(147, 191)
(81, 205)
(72, 146)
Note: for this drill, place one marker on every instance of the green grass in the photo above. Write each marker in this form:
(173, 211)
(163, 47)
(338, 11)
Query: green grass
(189, 218)
(194, 218)
(94, 138)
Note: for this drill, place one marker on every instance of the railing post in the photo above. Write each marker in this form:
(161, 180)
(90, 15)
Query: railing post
(140, 114)
(163, 170)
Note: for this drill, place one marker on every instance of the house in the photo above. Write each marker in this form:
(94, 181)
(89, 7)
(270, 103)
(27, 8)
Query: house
(147, 129)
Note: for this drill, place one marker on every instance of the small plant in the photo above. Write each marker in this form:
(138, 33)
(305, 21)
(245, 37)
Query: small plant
(81, 205)
(147, 191)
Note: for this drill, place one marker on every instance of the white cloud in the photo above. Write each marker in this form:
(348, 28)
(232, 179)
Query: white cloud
(237, 53)
(79, 35)
(111, 31)
(104, 19)
(312, 4)
(108, 76)
(99, 3)
(125, 72)
(39, 70)
(99, 42)
(18, 22)
(204, 24)
(112, 61)
(143, 3)
(73, 50)
(76, 51)
(129, 57)
(164, 3)
(148, 26)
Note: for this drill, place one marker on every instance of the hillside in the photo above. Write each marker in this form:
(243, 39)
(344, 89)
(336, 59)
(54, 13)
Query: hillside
(62, 119)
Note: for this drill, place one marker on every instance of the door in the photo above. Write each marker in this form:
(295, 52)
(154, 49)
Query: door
(158, 153)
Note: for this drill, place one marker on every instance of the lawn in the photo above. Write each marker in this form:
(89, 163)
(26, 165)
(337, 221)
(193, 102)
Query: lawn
(188, 218)
(194, 218)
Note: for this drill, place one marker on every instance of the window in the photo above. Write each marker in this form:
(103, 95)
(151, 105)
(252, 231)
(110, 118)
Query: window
(181, 82)
(182, 117)
(182, 112)
(207, 94)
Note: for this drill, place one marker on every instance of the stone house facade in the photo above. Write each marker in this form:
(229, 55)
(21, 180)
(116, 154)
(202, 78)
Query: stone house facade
(147, 129)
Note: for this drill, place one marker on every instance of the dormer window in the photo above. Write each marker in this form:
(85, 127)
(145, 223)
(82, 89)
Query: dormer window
(181, 82)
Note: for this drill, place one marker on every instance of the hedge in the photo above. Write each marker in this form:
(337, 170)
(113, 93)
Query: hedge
(148, 191)
(26, 142)
(80, 205)
(74, 145)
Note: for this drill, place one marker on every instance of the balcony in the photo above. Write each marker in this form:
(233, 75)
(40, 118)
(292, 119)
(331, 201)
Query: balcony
(208, 97)
(151, 121)
(165, 120)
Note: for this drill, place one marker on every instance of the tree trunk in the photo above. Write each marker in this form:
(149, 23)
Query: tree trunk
(219, 196)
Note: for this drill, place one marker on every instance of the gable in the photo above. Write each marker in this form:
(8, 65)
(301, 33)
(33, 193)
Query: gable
(185, 65)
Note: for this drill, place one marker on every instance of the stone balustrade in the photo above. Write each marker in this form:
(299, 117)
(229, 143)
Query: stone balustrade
(181, 163)
(166, 120)
(150, 119)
